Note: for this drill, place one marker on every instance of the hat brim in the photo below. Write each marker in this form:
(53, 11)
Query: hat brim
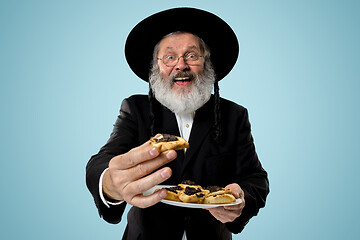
(215, 32)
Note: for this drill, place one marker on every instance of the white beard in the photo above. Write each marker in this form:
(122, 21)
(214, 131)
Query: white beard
(185, 100)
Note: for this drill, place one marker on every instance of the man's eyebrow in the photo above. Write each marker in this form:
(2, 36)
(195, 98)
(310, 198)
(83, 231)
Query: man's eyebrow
(189, 47)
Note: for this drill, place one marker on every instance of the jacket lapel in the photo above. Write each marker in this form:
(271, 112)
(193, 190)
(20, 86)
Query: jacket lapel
(201, 128)
(169, 123)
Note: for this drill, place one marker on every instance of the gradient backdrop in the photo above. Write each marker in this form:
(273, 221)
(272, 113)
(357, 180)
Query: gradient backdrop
(64, 75)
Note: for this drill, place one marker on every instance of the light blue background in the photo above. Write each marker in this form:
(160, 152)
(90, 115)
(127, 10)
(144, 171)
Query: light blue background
(63, 77)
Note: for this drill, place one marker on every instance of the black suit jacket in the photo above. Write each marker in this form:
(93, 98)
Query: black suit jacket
(205, 162)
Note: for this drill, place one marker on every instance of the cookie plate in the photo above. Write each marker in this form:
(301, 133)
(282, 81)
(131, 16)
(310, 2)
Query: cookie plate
(188, 205)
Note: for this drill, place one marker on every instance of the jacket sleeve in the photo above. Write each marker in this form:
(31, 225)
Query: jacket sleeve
(250, 175)
(122, 139)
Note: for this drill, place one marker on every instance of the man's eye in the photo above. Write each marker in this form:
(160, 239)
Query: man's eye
(170, 57)
(191, 56)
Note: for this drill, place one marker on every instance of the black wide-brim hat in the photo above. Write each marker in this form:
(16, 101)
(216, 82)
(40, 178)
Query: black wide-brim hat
(215, 32)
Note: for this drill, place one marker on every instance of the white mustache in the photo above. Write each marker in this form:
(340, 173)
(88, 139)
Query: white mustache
(181, 76)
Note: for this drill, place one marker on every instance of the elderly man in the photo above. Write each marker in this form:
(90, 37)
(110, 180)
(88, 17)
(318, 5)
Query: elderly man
(182, 53)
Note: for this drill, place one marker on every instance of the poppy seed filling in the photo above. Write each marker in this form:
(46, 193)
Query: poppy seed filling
(166, 138)
(174, 189)
(191, 190)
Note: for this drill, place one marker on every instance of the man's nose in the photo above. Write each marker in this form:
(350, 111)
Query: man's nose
(181, 64)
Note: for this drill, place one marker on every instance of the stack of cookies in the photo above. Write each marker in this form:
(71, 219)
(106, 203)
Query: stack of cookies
(189, 192)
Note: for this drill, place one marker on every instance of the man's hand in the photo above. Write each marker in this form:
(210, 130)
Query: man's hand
(129, 175)
(230, 213)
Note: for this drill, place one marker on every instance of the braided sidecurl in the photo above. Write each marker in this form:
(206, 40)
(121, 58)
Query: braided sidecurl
(217, 133)
(152, 110)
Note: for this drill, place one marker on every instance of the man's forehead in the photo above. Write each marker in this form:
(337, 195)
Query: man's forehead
(177, 40)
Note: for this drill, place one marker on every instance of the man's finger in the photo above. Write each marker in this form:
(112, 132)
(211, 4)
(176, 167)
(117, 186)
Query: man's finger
(235, 189)
(224, 215)
(142, 201)
(147, 167)
(143, 184)
(135, 156)
(233, 207)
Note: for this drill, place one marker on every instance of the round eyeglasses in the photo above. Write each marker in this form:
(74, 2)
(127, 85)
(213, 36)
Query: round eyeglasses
(171, 60)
